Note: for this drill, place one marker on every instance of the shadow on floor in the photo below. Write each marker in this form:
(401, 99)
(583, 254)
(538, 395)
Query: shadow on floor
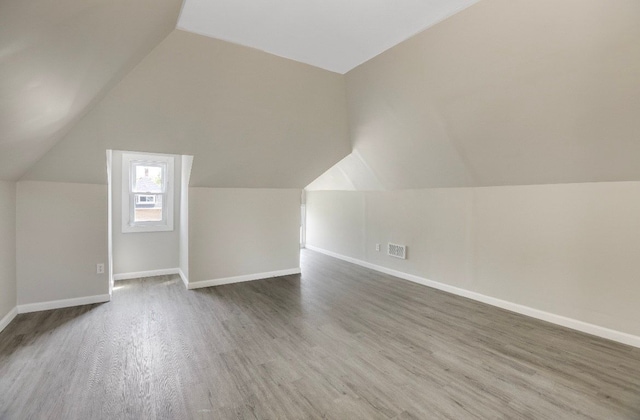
(27, 328)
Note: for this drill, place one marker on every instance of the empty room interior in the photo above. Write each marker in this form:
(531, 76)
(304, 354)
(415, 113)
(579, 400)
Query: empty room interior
(354, 209)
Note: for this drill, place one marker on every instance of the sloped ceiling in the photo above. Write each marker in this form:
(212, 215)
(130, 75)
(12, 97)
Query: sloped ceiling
(335, 35)
(350, 174)
(58, 57)
(507, 92)
(250, 119)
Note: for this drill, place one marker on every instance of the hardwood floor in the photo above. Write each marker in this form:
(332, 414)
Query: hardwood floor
(338, 342)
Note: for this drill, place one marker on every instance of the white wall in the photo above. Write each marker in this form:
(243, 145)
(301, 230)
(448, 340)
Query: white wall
(240, 232)
(61, 236)
(335, 221)
(187, 163)
(144, 251)
(8, 285)
(570, 249)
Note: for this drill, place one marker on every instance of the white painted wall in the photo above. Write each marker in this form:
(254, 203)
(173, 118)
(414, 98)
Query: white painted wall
(570, 249)
(110, 193)
(239, 232)
(187, 163)
(335, 221)
(61, 236)
(8, 285)
(144, 251)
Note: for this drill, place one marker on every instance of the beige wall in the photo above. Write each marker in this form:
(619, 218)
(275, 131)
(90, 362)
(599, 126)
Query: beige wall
(61, 236)
(238, 232)
(8, 280)
(144, 251)
(282, 122)
(569, 249)
(335, 221)
(59, 58)
(506, 92)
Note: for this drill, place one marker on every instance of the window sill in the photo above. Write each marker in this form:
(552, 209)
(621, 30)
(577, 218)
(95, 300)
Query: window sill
(146, 228)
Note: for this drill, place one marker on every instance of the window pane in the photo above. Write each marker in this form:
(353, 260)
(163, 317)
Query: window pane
(148, 208)
(148, 178)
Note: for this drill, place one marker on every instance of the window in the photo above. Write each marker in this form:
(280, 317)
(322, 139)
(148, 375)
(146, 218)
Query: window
(147, 193)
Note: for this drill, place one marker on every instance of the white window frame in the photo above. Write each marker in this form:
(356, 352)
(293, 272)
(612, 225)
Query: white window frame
(129, 162)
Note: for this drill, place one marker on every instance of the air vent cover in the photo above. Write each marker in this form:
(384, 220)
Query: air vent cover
(397, 251)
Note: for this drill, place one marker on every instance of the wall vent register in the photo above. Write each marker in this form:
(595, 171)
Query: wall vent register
(397, 251)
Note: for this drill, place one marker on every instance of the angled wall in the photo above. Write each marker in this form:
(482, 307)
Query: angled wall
(507, 92)
(252, 120)
(59, 58)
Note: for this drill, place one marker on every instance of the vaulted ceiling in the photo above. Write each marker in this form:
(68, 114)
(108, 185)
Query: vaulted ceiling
(505, 92)
(250, 119)
(57, 58)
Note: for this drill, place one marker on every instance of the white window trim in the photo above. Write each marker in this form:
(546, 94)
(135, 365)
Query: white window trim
(128, 226)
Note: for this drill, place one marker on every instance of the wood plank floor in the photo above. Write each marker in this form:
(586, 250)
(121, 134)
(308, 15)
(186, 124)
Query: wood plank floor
(338, 342)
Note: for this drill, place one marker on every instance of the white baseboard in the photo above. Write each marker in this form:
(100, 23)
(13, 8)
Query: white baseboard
(8, 318)
(150, 273)
(64, 303)
(238, 279)
(184, 278)
(574, 324)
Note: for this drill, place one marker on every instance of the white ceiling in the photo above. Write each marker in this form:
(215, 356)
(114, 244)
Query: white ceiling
(335, 35)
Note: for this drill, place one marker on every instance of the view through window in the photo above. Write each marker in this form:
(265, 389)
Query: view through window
(148, 191)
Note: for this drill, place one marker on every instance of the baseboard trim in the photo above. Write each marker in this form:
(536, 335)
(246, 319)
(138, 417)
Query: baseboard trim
(239, 279)
(184, 278)
(142, 274)
(6, 320)
(585, 327)
(64, 303)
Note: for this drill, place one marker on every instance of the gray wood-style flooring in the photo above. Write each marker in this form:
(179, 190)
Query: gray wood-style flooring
(338, 342)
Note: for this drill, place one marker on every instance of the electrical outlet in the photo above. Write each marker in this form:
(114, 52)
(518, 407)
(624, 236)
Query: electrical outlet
(378, 247)
(100, 269)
